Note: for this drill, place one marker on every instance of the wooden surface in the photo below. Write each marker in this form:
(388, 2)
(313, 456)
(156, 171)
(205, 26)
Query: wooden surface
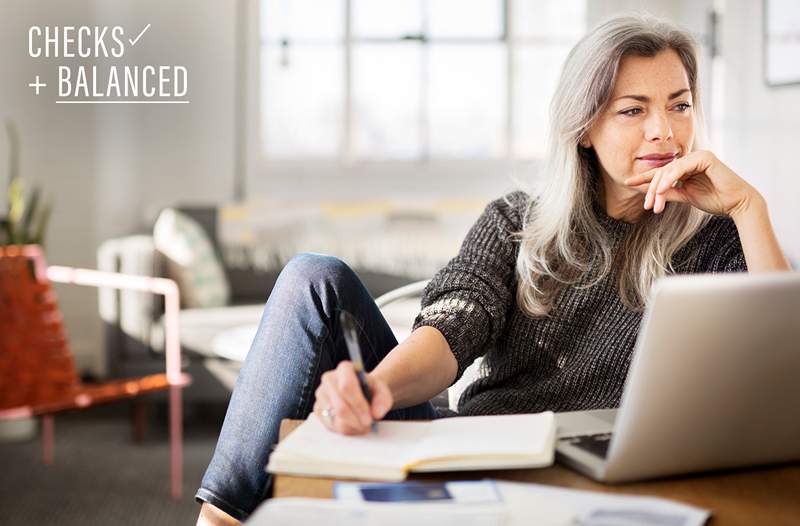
(760, 496)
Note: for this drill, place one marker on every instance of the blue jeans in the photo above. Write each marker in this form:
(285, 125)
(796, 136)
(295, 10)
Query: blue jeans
(298, 339)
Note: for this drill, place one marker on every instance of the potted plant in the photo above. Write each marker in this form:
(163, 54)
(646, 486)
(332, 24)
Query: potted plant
(23, 222)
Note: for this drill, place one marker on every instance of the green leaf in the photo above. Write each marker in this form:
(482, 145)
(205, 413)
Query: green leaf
(5, 232)
(10, 233)
(44, 220)
(30, 211)
(16, 201)
(13, 150)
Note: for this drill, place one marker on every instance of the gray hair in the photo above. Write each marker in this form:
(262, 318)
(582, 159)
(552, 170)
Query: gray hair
(561, 241)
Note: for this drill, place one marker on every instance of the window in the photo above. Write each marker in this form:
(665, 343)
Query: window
(410, 80)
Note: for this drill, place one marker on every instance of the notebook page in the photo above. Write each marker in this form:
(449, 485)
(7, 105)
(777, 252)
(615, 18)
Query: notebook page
(527, 435)
(394, 443)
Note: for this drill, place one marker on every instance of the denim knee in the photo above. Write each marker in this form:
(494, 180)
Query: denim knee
(308, 268)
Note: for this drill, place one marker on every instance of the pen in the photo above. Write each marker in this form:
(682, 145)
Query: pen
(351, 339)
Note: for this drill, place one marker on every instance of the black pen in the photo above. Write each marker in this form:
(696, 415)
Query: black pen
(351, 339)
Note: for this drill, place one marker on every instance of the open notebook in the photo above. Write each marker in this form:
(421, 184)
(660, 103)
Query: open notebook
(448, 444)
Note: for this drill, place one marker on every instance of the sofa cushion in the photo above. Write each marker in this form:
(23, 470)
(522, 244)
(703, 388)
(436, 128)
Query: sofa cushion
(191, 260)
(200, 329)
(234, 343)
(227, 332)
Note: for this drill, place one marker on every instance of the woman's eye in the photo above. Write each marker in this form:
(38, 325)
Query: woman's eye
(631, 112)
(683, 106)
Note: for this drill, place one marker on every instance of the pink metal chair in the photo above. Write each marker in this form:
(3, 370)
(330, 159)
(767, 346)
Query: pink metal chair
(37, 371)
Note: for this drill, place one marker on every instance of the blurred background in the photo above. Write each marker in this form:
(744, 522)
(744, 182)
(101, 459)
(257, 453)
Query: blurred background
(374, 130)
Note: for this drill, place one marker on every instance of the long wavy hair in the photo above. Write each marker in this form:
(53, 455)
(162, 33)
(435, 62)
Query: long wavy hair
(562, 243)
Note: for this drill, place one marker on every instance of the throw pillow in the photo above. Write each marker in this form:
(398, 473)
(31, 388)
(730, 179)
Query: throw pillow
(191, 260)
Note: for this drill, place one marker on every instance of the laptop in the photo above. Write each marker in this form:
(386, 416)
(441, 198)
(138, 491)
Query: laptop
(714, 383)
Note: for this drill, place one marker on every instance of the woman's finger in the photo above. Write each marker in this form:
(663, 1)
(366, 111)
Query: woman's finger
(640, 179)
(321, 404)
(655, 199)
(671, 195)
(673, 179)
(649, 199)
(683, 167)
(330, 413)
(647, 194)
(323, 407)
(676, 195)
(659, 204)
(345, 420)
(349, 389)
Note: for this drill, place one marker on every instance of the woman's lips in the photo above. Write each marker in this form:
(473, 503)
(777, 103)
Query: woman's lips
(655, 163)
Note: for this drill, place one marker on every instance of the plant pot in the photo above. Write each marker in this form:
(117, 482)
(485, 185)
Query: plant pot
(20, 430)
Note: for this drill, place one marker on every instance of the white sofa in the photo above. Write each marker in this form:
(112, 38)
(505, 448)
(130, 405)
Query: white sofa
(215, 339)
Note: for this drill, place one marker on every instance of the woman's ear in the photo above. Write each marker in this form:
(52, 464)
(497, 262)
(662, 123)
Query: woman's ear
(585, 142)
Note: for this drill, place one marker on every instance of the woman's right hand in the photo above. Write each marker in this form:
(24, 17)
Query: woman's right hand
(339, 397)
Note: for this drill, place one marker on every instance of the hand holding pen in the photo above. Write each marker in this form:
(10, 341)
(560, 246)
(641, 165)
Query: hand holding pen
(348, 399)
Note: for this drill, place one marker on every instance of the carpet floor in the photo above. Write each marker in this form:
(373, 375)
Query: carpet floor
(101, 476)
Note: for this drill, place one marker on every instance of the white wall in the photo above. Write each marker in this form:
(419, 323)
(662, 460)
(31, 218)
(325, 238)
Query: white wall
(108, 167)
(761, 125)
(150, 156)
(57, 145)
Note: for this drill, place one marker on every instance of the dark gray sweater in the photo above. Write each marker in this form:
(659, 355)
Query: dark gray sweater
(576, 358)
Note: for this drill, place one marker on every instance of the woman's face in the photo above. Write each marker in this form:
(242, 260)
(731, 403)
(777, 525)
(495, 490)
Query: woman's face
(648, 122)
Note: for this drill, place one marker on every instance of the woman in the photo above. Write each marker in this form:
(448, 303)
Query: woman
(550, 289)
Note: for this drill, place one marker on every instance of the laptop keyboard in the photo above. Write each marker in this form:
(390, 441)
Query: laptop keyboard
(594, 444)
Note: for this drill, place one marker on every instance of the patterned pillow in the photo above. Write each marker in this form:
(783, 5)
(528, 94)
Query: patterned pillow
(191, 260)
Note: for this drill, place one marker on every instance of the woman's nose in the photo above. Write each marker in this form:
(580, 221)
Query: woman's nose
(657, 127)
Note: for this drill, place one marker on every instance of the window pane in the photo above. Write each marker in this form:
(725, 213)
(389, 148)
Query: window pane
(301, 100)
(467, 102)
(386, 18)
(465, 18)
(386, 101)
(548, 18)
(302, 19)
(537, 70)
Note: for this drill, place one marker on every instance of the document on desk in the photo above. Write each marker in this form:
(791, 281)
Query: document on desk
(302, 512)
(538, 504)
(448, 444)
(603, 509)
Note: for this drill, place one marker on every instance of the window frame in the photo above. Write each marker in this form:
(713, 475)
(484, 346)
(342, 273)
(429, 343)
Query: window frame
(283, 171)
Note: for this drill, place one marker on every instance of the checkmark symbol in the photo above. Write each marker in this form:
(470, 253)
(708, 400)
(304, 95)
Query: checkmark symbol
(135, 40)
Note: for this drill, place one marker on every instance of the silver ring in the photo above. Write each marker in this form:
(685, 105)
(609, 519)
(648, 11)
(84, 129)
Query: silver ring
(328, 416)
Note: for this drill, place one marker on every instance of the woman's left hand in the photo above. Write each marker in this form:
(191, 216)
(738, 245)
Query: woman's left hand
(698, 178)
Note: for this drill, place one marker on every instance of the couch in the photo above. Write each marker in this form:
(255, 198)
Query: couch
(214, 339)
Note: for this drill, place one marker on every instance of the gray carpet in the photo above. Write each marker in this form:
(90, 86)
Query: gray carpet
(101, 476)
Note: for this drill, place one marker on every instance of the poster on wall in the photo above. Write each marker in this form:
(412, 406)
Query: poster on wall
(781, 42)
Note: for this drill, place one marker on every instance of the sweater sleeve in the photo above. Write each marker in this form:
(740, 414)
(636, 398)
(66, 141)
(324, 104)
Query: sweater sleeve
(724, 252)
(469, 299)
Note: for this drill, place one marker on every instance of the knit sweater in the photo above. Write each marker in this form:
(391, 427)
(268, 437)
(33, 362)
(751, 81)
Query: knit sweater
(575, 358)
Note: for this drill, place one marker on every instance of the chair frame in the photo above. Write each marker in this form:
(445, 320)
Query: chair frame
(407, 291)
(175, 378)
